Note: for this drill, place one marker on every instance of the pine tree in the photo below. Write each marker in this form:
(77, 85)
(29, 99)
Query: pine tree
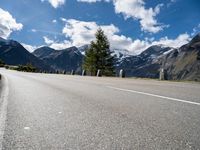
(99, 56)
(90, 60)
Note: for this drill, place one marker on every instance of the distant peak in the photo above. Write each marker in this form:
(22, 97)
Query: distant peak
(45, 47)
(195, 39)
(72, 48)
(197, 36)
(2, 39)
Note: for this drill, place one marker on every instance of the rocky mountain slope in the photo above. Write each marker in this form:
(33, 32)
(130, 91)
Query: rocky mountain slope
(62, 60)
(183, 63)
(179, 64)
(13, 53)
(43, 52)
(144, 64)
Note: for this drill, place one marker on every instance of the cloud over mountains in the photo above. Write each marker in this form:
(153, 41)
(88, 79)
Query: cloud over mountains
(55, 3)
(60, 29)
(79, 33)
(136, 10)
(8, 24)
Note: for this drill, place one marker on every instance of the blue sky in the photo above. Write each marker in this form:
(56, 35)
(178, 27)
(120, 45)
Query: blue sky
(129, 24)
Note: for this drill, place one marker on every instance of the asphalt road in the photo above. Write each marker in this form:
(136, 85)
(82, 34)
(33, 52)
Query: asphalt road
(53, 112)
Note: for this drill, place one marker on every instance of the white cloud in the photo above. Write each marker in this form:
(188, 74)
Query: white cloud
(195, 30)
(55, 3)
(30, 48)
(54, 21)
(171, 3)
(33, 30)
(8, 24)
(137, 46)
(61, 45)
(92, 1)
(81, 32)
(177, 42)
(47, 40)
(136, 9)
(45, 31)
(57, 45)
(63, 19)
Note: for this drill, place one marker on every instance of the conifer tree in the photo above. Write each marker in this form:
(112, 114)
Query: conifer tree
(90, 60)
(99, 56)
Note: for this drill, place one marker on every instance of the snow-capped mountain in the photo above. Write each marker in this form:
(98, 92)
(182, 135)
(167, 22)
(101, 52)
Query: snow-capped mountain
(119, 53)
(83, 48)
(122, 53)
(181, 63)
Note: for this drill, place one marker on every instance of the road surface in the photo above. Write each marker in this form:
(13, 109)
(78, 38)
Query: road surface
(53, 112)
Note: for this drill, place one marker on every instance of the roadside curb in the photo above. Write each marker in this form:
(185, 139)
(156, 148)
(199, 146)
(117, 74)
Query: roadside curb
(3, 106)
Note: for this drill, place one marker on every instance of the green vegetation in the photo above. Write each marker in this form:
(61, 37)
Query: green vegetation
(26, 68)
(99, 56)
(2, 64)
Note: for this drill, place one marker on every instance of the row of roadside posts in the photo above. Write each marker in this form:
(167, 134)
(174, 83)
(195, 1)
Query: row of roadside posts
(162, 74)
(99, 73)
(122, 74)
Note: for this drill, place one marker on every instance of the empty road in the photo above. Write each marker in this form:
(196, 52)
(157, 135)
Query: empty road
(61, 112)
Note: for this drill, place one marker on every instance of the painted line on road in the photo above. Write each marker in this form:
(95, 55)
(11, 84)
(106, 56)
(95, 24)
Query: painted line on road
(26, 128)
(3, 109)
(154, 95)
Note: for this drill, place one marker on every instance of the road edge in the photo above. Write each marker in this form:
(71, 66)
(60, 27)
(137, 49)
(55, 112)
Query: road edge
(3, 107)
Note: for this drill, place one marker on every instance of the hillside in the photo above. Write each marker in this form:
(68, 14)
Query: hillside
(184, 63)
(62, 60)
(144, 64)
(13, 53)
(180, 64)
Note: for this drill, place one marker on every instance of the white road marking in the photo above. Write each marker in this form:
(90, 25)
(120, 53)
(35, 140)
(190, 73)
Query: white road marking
(60, 112)
(154, 95)
(3, 109)
(26, 128)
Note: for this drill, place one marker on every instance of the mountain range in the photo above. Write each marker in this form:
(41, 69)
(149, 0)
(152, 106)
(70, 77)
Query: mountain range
(62, 60)
(13, 53)
(183, 63)
(145, 64)
(179, 63)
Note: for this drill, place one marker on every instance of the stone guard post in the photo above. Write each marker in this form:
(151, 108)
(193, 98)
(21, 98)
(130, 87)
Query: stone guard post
(99, 73)
(162, 74)
(83, 73)
(122, 73)
(72, 73)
